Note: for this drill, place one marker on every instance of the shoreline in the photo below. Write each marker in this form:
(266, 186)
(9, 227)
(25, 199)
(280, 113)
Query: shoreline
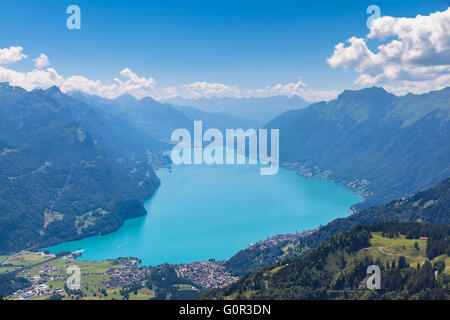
(357, 186)
(273, 238)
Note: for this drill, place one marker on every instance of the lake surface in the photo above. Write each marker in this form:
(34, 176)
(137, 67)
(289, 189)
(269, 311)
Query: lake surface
(202, 212)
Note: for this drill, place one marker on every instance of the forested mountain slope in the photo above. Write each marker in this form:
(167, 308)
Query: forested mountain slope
(67, 170)
(157, 119)
(383, 146)
(411, 268)
(431, 206)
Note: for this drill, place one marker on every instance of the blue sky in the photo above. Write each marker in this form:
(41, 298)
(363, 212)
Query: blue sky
(248, 44)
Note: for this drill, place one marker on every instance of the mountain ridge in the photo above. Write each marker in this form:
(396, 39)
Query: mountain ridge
(371, 141)
(62, 174)
(255, 108)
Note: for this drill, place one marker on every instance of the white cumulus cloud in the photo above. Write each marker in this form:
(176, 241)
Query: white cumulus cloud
(133, 84)
(414, 54)
(129, 82)
(298, 88)
(205, 89)
(41, 61)
(33, 79)
(202, 89)
(45, 78)
(11, 55)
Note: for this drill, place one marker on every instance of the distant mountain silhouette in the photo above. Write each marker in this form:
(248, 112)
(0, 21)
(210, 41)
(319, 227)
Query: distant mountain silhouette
(161, 119)
(260, 109)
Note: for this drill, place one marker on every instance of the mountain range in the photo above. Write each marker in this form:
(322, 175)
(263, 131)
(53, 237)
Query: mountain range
(259, 109)
(68, 170)
(376, 143)
(77, 165)
(71, 162)
(161, 119)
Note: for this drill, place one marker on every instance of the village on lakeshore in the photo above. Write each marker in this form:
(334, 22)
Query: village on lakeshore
(121, 278)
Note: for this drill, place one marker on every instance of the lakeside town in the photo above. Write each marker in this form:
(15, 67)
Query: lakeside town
(276, 240)
(121, 278)
(46, 276)
(209, 274)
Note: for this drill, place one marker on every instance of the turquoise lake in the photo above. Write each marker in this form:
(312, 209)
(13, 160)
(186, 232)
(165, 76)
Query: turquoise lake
(202, 212)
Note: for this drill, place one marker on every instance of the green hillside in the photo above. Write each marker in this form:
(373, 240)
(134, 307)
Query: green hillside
(411, 268)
